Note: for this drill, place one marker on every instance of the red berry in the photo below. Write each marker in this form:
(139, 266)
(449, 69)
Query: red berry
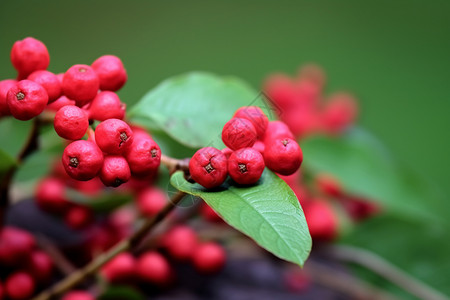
(208, 167)
(283, 156)
(144, 156)
(282, 90)
(277, 130)
(40, 266)
(19, 286)
(209, 258)
(238, 133)
(26, 100)
(59, 103)
(78, 295)
(150, 201)
(80, 83)
(29, 55)
(78, 217)
(111, 72)
(106, 105)
(339, 113)
(115, 171)
(114, 136)
(209, 214)
(227, 152)
(15, 245)
(255, 115)
(180, 242)
(259, 146)
(321, 219)
(49, 82)
(120, 269)
(359, 208)
(71, 122)
(5, 85)
(246, 166)
(328, 185)
(82, 160)
(50, 195)
(152, 267)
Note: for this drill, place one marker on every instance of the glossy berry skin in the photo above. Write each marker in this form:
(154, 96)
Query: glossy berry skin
(283, 156)
(180, 242)
(255, 115)
(26, 100)
(115, 171)
(209, 258)
(208, 167)
(238, 133)
(321, 219)
(29, 55)
(78, 295)
(80, 83)
(106, 105)
(154, 268)
(71, 122)
(144, 156)
(59, 103)
(5, 85)
(277, 130)
(114, 136)
(15, 245)
(150, 201)
(246, 166)
(120, 269)
(111, 72)
(40, 266)
(82, 160)
(49, 82)
(78, 217)
(19, 286)
(50, 195)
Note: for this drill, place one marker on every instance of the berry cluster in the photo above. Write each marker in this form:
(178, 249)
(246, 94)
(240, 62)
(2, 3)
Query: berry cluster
(252, 144)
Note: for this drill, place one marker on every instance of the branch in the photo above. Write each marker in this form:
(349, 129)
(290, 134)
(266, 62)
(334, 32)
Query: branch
(60, 261)
(173, 164)
(134, 240)
(383, 268)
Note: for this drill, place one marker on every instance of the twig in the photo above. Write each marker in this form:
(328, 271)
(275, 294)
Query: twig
(79, 275)
(386, 270)
(173, 164)
(58, 258)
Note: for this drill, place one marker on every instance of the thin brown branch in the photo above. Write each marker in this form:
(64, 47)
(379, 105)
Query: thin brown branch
(173, 164)
(60, 261)
(79, 275)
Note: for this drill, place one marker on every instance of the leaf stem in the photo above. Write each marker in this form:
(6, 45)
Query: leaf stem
(173, 164)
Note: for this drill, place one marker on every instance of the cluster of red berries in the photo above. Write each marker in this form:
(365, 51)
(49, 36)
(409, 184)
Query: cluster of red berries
(252, 144)
(23, 267)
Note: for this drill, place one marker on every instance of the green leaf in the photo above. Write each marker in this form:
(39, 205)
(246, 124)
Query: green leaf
(6, 162)
(268, 212)
(119, 292)
(192, 108)
(106, 202)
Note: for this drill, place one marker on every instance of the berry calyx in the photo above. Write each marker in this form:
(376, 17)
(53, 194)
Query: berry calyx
(114, 136)
(246, 166)
(144, 156)
(82, 160)
(49, 82)
(255, 115)
(209, 258)
(80, 83)
(208, 167)
(111, 72)
(26, 100)
(283, 156)
(29, 55)
(115, 171)
(238, 133)
(106, 105)
(71, 122)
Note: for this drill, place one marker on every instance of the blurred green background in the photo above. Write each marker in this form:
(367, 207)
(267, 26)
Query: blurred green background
(394, 55)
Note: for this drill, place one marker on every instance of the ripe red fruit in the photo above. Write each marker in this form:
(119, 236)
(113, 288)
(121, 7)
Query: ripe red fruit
(283, 156)
(80, 83)
(152, 267)
(50, 195)
(82, 160)
(120, 269)
(19, 286)
(255, 115)
(26, 100)
(339, 113)
(40, 266)
(15, 245)
(71, 122)
(209, 258)
(321, 219)
(238, 133)
(49, 82)
(277, 130)
(246, 166)
(115, 171)
(114, 136)
(60, 103)
(111, 72)
(29, 55)
(209, 214)
(5, 85)
(227, 152)
(208, 167)
(143, 156)
(180, 242)
(328, 185)
(259, 146)
(78, 217)
(106, 105)
(150, 201)
(359, 208)
(78, 295)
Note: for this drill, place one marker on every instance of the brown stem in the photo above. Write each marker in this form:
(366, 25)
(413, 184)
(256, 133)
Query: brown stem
(60, 261)
(79, 275)
(173, 164)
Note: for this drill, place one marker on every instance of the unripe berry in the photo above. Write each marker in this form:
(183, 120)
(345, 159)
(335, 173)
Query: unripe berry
(209, 258)
(150, 201)
(80, 83)
(238, 133)
(5, 85)
(40, 266)
(120, 269)
(106, 105)
(15, 245)
(152, 267)
(71, 122)
(49, 82)
(114, 136)
(111, 72)
(78, 295)
(246, 166)
(82, 160)
(283, 156)
(50, 195)
(180, 242)
(78, 217)
(115, 171)
(255, 115)
(321, 219)
(59, 103)
(144, 156)
(19, 286)
(29, 55)
(26, 100)
(208, 167)
(277, 130)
